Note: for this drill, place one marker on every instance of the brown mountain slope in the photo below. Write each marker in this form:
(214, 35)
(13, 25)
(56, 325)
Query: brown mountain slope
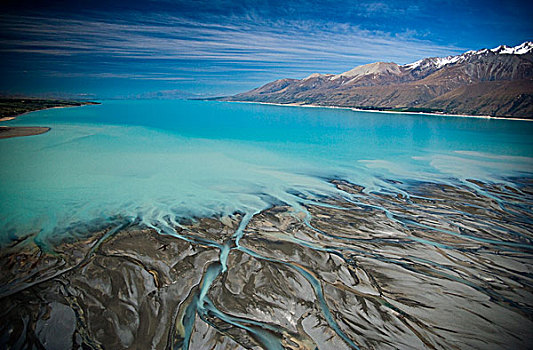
(493, 82)
(500, 98)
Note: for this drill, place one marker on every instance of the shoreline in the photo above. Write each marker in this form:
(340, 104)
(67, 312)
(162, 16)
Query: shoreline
(382, 111)
(20, 131)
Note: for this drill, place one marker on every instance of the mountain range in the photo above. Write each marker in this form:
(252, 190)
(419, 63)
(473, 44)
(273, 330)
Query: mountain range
(489, 82)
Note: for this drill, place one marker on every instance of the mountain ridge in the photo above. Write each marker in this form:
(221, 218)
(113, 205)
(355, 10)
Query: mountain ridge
(460, 84)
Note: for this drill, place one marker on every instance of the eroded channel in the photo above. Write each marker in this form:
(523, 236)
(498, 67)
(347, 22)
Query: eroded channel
(431, 266)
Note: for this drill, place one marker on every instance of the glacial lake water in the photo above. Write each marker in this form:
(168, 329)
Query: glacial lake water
(159, 161)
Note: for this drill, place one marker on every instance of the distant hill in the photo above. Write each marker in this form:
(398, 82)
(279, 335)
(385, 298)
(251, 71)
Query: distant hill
(496, 82)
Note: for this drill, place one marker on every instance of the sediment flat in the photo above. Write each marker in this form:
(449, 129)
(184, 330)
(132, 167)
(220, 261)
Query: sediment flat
(7, 132)
(445, 267)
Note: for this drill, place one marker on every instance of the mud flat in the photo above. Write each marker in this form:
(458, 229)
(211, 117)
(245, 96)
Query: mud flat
(439, 267)
(7, 132)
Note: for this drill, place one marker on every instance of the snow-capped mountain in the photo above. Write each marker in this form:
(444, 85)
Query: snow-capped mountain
(496, 81)
(521, 49)
(439, 62)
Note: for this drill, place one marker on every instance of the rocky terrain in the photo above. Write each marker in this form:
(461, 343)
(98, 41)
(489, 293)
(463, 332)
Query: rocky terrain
(495, 82)
(438, 267)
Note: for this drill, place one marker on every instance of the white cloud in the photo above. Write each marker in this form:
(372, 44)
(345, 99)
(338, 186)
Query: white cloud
(230, 43)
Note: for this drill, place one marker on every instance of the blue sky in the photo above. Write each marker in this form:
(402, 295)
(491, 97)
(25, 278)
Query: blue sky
(211, 48)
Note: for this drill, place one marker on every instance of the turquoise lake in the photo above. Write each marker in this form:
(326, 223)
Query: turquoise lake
(159, 161)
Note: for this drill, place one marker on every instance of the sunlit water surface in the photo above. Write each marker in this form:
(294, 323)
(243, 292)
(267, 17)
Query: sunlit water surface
(159, 161)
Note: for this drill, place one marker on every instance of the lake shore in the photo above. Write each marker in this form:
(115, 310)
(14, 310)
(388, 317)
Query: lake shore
(381, 111)
(11, 108)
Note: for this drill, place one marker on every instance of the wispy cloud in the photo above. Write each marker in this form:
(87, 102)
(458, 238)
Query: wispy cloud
(238, 39)
(164, 47)
(224, 44)
(139, 76)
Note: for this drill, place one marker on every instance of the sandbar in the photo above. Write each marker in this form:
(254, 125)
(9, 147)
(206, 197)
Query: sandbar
(8, 132)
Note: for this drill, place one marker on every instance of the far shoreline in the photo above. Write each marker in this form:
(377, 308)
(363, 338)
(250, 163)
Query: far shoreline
(19, 131)
(488, 117)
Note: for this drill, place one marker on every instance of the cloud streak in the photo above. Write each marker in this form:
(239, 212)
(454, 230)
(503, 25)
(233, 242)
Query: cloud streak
(312, 44)
(229, 45)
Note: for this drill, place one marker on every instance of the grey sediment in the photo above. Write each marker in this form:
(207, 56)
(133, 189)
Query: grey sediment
(8, 132)
(446, 266)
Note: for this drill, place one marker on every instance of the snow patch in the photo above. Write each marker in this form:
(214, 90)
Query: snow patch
(439, 62)
(522, 49)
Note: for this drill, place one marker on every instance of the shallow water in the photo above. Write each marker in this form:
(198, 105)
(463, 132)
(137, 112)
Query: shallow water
(157, 161)
(311, 228)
